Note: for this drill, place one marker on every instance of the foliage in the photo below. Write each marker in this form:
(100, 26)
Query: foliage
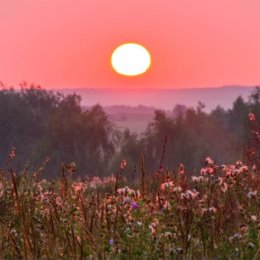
(212, 216)
(39, 123)
(193, 134)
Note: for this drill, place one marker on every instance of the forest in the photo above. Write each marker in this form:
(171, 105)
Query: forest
(40, 126)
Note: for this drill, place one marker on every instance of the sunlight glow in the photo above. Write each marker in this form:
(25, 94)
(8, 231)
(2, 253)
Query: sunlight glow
(130, 59)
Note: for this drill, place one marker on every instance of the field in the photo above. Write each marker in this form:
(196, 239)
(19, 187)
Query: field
(167, 216)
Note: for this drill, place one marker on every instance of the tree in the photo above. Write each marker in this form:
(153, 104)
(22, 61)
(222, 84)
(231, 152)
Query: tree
(85, 137)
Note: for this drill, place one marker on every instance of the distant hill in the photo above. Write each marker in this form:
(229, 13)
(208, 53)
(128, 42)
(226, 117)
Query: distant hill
(162, 98)
(134, 108)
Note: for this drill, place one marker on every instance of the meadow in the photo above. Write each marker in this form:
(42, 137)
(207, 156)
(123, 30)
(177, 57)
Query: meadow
(164, 215)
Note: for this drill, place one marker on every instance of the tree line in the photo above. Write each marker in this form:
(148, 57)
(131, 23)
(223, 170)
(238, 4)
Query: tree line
(39, 124)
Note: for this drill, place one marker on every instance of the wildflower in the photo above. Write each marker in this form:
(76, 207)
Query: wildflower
(134, 205)
(95, 182)
(223, 185)
(243, 169)
(252, 194)
(212, 210)
(209, 210)
(137, 194)
(256, 134)
(139, 223)
(207, 171)
(127, 200)
(78, 186)
(209, 161)
(58, 201)
(238, 164)
(177, 189)
(123, 164)
(189, 194)
(167, 234)
(153, 227)
(197, 179)
(229, 172)
(223, 167)
(167, 186)
(125, 191)
(251, 116)
(251, 245)
(12, 154)
(166, 205)
(109, 180)
(194, 178)
(78, 239)
(236, 236)
(111, 241)
(253, 218)
(181, 169)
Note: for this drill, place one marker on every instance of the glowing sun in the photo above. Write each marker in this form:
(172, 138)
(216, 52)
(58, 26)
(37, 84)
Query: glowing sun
(130, 59)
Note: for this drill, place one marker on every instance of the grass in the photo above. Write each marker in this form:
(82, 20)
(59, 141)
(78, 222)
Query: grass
(166, 215)
(170, 216)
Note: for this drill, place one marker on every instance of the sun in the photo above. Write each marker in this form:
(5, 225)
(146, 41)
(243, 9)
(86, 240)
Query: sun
(131, 59)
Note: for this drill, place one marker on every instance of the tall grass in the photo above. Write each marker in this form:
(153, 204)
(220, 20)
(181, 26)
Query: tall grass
(169, 215)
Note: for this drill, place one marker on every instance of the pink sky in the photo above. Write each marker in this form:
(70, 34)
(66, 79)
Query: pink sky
(68, 43)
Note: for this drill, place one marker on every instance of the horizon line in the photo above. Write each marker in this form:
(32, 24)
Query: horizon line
(153, 88)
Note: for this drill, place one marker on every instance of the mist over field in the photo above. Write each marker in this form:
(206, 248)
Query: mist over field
(134, 108)
(162, 98)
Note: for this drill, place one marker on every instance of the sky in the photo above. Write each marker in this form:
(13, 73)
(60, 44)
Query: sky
(68, 43)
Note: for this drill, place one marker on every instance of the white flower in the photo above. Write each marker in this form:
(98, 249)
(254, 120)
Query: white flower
(252, 194)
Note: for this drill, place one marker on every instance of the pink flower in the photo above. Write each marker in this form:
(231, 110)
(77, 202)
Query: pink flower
(206, 171)
(153, 227)
(243, 169)
(251, 116)
(59, 201)
(95, 182)
(197, 178)
(238, 164)
(125, 191)
(212, 210)
(209, 161)
(167, 186)
(78, 186)
(109, 180)
(189, 194)
(209, 210)
(181, 169)
(223, 185)
(12, 154)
